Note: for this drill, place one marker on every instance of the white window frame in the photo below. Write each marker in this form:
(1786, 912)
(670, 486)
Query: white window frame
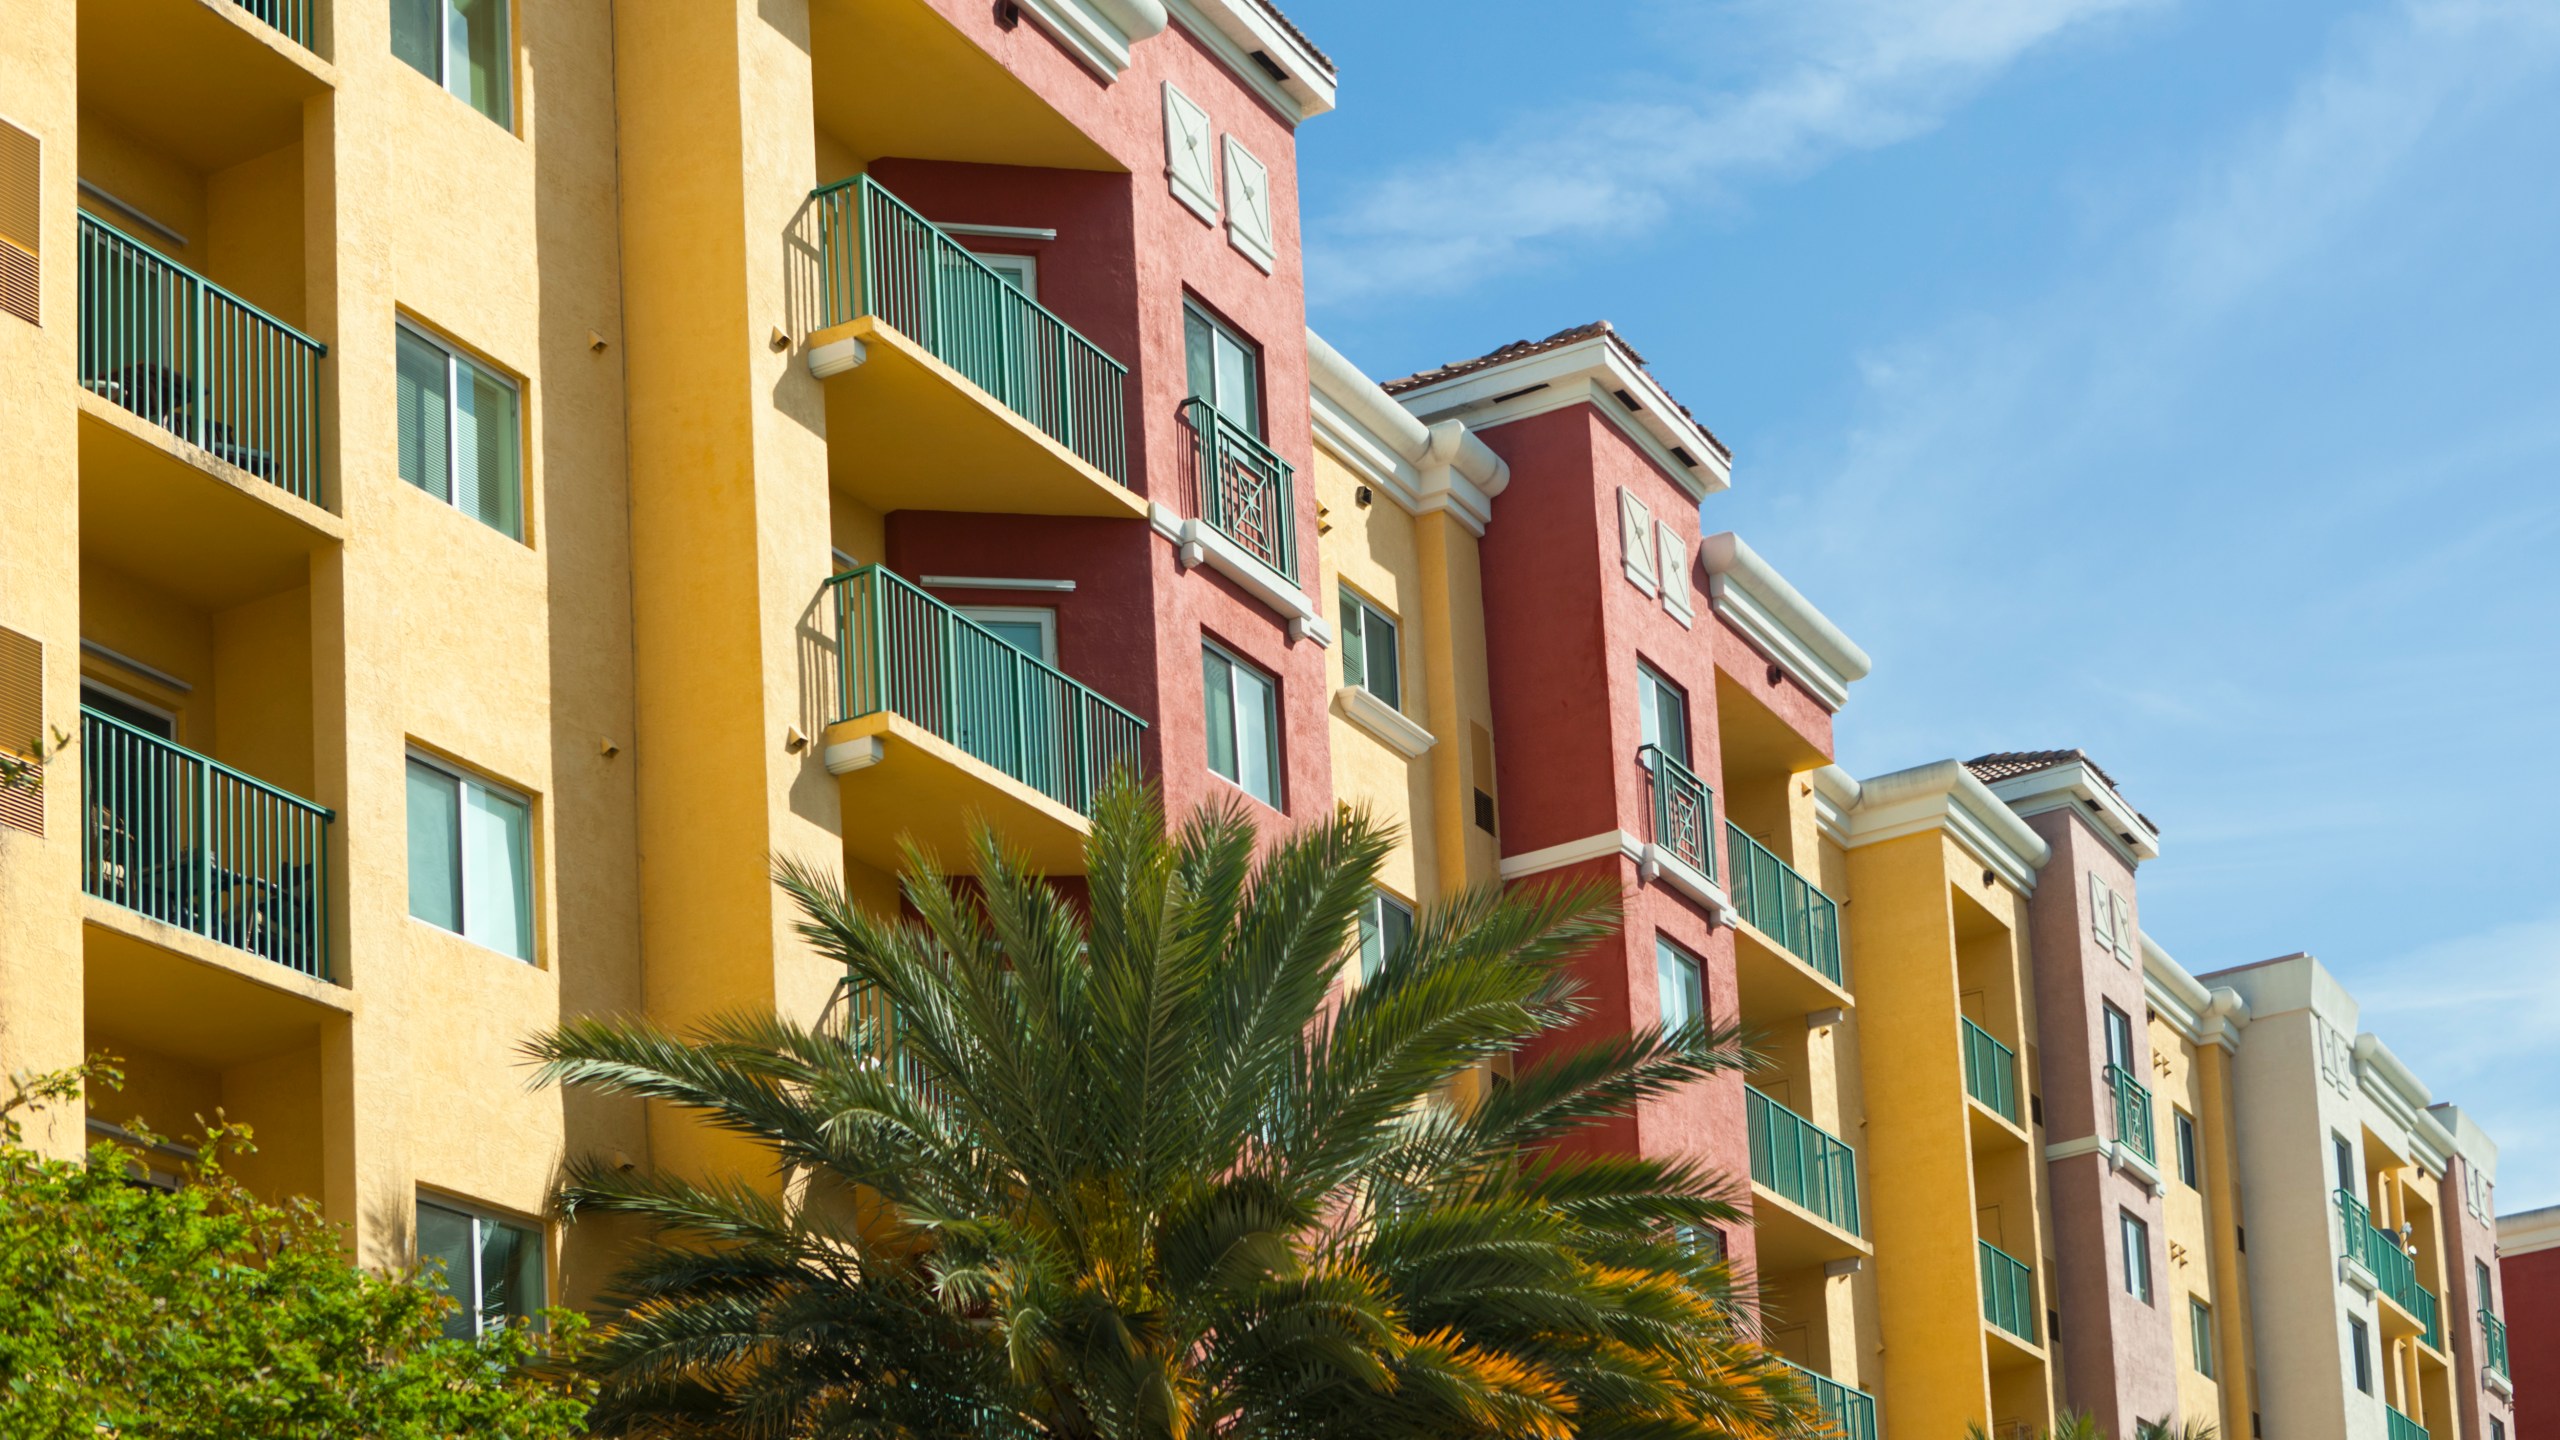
(1667, 951)
(444, 78)
(2200, 1335)
(2360, 1342)
(1357, 610)
(480, 1215)
(1279, 757)
(1004, 261)
(2134, 1233)
(455, 360)
(532, 855)
(1649, 683)
(1373, 930)
(1040, 615)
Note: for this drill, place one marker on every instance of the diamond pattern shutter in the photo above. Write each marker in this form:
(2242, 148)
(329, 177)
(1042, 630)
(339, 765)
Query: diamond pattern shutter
(1190, 166)
(1635, 536)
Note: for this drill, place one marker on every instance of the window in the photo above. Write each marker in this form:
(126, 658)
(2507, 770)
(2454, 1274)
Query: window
(1704, 1238)
(1031, 629)
(1663, 710)
(2137, 1255)
(2486, 1297)
(2119, 1027)
(2345, 1154)
(2362, 1353)
(2186, 1128)
(2497, 1428)
(470, 858)
(1022, 272)
(1681, 983)
(1242, 707)
(461, 45)
(149, 719)
(1386, 923)
(493, 1268)
(1225, 369)
(2200, 1335)
(459, 437)
(1370, 659)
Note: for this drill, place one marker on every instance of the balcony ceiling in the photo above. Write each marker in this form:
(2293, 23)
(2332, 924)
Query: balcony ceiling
(894, 78)
(197, 79)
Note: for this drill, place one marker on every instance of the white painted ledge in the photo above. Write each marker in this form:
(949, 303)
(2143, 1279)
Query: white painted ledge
(1199, 543)
(1356, 704)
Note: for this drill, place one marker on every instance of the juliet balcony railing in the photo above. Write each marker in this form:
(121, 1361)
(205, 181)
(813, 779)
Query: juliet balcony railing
(2493, 1334)
(880, 258)
(902, 651)
(2402, 1427)
(198, 361)
(1782, 904)
(2133, 1111)
(290, 18)
(191, 842)
(1243, 490)
(1683, 810)
(1990, 1071)
(2381, 1254)
(2008, 1291)
(1851, 1412)
(1801, 1161)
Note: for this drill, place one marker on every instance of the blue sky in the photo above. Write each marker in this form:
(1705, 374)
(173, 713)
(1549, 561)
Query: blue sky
(2177, 379)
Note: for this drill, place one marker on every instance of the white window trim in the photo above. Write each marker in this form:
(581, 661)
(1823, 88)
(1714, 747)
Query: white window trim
(1367, 668)
(1279, 798)
(1356, 704)
(480, 1215)
(1040, 615)
(1379, 899)
(1250, 226)
(454, 359)
(1184, 117)
(997, 260)
(444, 77)
(532, 859)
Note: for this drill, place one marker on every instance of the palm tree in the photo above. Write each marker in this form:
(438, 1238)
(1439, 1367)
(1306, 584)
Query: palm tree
(1142, 1169)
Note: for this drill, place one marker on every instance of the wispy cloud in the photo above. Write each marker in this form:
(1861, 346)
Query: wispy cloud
(1841, 76)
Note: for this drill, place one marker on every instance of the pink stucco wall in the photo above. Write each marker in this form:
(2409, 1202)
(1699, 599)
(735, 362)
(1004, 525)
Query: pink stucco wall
(2473, 1241)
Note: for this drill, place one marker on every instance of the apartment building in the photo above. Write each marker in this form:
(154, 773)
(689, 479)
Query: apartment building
(2194, 1033)
(2522, 1328)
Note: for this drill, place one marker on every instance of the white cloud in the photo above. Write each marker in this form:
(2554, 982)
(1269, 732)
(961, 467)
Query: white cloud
(1843, 76)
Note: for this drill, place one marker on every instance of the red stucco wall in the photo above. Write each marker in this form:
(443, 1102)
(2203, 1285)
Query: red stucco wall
(2533, 1340)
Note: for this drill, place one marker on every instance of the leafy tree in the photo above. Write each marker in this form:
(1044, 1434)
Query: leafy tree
(203, 1313)
(1137, 1169)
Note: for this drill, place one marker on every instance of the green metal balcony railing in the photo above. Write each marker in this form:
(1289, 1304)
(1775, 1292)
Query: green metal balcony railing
(2380, 1253)
(901, 650)
(2008, 1291)
(290, 18)
(2133, 1111)
(1990, 1071)
(1243, 490)
(194, 843)
(2402, 1427)
(1782, 904)
(1852, 1413)
(879, 258)
(2493, 1332)
(1683, 810)
(1801, 1161)
(198, 361)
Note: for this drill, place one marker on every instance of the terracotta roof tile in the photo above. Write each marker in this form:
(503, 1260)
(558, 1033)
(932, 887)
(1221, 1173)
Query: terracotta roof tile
(1522, 349)
(1291, 26)
(2001, 765)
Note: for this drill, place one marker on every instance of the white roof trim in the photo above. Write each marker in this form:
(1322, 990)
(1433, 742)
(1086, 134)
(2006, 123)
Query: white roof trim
(2203, 1015)
(1423, 468)
(1943, 795)
(2469, 1141)
(2401, 1095)
(1587, 372)
(2528, 1231)
(1234, 29)
(1098, 32)
(1773, 615)
(2074, 785)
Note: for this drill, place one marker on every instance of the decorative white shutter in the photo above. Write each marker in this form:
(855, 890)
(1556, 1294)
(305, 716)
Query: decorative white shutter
(1635, 535)
(1189, 165)
(2126, 943)
(2102, 913)
(1249, 205)
(1674, 553)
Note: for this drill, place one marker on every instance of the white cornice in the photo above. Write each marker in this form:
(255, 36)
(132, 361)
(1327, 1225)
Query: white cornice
(1098, 32)
(2204, 1016)
(1234, 30)
(1773, 615)
(1399, 732)
(2528, 1231)
(2075, 785)
(1835, 794)
(2399, 1094)
(2469, 1141)
(1945, 796)
(1587, 372)
(1423, 468)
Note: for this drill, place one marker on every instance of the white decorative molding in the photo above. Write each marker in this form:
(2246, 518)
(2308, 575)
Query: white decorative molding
(1663, 865)
(2115, 1154)
(2075, 785)
(2199, 1015)
(995, 582)
(1358, 705)
(1779, 622)
(1190, 164)
(2528, 1232)
(1424, 469)
(1098, 32)
(846, 756)
(2358, 1278)
(1200, 543)
(1587, 372)
(1620, 843)
(1945, 796)
(836, 357)
(2497, 1384)
(1835, 794)
(1237, 30)
(1249, 226)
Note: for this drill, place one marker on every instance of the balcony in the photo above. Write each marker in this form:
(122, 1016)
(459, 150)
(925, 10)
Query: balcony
(939, 722)
(949, 388)
(1781, 904)
(2395, 1275)
(1990, 1072)
(1801, 1161)
(2402, 1427)
(1241, 490)
(1683, 809)
(2493, 1334)
(2133, 1112)
(208, 85)
(1852, 1413)
(190, 842)
(2008, 1292)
